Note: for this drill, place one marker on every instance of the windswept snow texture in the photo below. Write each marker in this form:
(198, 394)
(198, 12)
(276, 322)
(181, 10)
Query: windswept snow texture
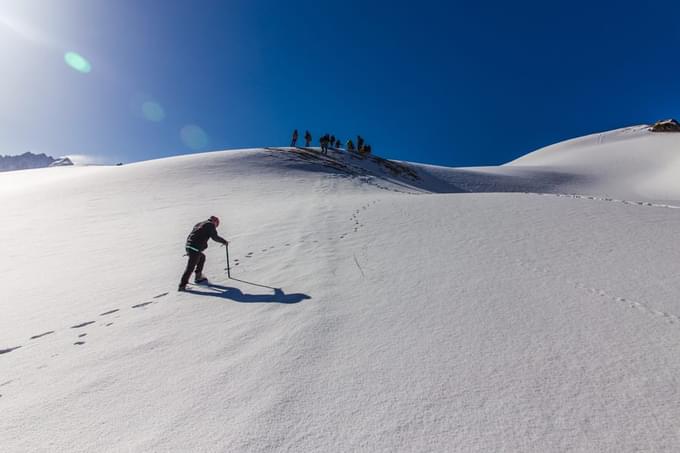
(365, 312)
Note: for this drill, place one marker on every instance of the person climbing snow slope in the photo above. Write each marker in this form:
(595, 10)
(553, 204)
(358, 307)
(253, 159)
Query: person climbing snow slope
(197, 241)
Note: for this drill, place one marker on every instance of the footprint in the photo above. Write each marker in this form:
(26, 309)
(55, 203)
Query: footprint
(143, 304)
(78, 326)
(79, 343)
(35, 337)
(109, 312)
(160, 295)
(82, 335)
(109, 324)
(5, 351)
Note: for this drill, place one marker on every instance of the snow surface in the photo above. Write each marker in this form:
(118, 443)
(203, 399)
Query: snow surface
(369, 310)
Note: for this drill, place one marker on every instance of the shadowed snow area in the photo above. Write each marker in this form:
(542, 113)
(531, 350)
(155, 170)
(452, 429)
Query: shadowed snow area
(374, 305)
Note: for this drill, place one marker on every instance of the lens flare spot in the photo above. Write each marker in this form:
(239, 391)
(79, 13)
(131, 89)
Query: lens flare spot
(153, 111)
(194, 137)
(77, 62)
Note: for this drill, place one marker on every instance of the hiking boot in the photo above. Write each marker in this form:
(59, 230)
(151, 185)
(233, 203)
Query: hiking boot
(200, 278)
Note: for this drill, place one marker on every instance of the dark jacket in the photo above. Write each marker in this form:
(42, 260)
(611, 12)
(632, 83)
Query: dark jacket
(198, 238)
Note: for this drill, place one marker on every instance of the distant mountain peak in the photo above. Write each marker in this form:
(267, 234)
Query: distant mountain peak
(61, 162)
(29, 160)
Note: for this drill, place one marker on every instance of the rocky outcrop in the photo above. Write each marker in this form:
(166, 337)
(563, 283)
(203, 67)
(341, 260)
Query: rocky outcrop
(669, 125)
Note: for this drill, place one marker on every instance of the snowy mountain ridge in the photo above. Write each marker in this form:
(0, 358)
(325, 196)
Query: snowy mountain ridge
(373, 305)
(29, 160)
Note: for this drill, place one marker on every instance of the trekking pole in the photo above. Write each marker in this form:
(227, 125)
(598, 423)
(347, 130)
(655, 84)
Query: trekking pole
(228, 267)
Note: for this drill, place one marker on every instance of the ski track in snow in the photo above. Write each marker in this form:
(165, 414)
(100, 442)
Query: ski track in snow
(356, 226)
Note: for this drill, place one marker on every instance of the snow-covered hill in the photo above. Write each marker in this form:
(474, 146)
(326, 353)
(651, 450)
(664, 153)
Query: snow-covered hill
(375, 306)
(629, 163)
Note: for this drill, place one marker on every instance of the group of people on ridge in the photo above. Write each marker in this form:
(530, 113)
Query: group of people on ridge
(325, 141)
(329, 140)
(361, 146)
(332, 141)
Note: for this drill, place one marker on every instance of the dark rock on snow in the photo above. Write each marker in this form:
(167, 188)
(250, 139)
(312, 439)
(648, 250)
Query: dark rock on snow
(669, 125)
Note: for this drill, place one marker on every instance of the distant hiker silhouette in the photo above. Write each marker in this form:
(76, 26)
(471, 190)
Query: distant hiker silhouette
(360, 143)
(295, 137)
(324, 144)
(308, 139)
(196, 243)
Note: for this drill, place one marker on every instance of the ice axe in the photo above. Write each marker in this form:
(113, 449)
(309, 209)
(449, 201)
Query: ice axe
(228, 268)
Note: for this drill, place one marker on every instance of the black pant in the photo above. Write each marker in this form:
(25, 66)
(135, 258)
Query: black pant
(196, 261)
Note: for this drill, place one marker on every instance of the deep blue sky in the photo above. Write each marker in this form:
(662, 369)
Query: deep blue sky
(445, 82)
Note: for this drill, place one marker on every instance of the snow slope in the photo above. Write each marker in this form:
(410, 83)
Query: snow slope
(366, 313)
(629, 163)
